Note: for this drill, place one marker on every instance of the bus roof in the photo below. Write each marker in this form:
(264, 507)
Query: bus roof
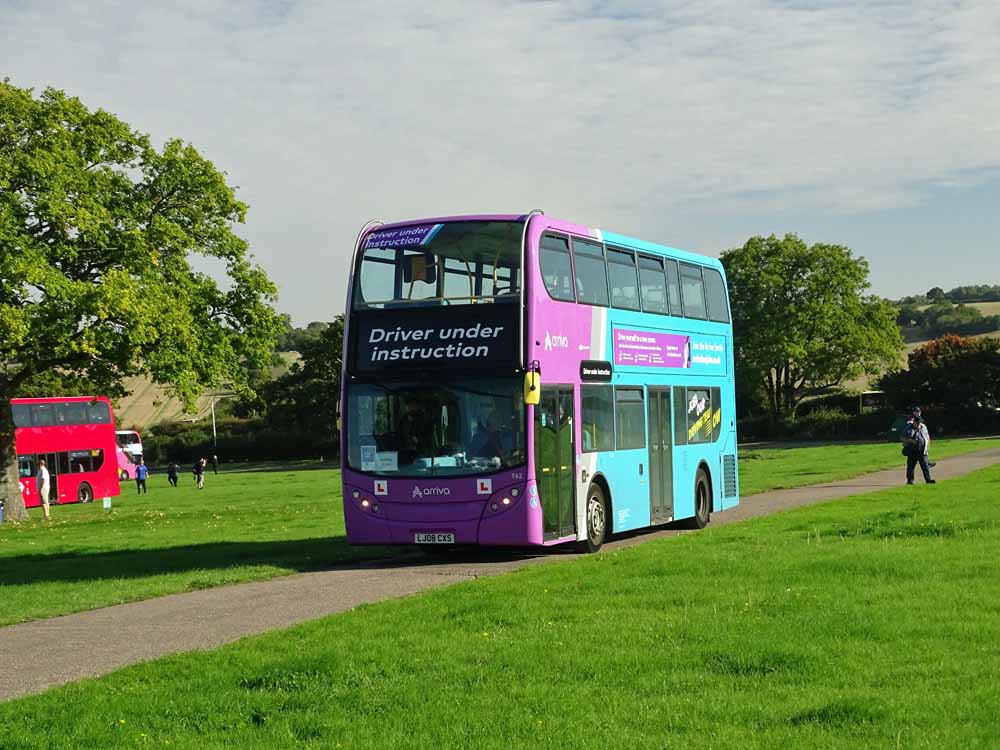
(611, 238)
(58, 399)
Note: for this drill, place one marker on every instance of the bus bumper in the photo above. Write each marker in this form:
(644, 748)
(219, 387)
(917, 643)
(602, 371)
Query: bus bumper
(479, 522)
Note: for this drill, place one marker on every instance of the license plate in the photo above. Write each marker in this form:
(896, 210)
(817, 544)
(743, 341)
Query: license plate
(426, 538)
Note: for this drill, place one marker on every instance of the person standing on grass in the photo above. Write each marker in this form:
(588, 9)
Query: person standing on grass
(215, 464)
(141, 472)
(199, 472)
(172, 473)
(916, 440)
(42, 483)
(915, 414)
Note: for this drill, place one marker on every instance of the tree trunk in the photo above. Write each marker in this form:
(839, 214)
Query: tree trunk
(10, 487)
(773, 402)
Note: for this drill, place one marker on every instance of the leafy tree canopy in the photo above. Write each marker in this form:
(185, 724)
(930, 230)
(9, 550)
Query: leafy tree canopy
(952, 371)
(98, 228)
(296, 339)
(305, 399)
(802, 319)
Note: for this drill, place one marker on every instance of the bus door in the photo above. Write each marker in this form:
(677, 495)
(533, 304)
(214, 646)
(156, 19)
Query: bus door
(52, 464)
(661, 456)
(555, 452)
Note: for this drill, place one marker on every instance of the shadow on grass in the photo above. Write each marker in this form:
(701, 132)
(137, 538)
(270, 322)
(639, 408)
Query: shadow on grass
(298, 555)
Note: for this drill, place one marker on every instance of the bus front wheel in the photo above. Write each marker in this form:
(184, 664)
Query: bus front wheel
(85, 494)
(702, 501)
(122, 475)
(597, 519)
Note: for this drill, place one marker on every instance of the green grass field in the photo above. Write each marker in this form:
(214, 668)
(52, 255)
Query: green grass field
(260, 524)
(861, 623)
(241, 527)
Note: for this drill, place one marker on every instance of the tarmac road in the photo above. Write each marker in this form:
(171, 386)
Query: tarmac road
(45, 653)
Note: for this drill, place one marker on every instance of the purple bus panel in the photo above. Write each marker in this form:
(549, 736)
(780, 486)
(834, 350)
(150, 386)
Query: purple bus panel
(500, 509)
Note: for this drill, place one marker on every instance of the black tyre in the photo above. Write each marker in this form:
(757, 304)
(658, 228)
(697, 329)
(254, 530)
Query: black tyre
(597, 520)
(85, 493)
(702, 501)
(122, 475)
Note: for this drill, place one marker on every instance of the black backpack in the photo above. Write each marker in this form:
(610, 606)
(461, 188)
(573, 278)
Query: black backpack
(913, 442)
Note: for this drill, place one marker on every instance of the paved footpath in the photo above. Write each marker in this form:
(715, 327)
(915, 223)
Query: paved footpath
(41, 654)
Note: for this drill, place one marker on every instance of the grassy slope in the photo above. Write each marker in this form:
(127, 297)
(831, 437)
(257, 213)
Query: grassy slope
(861, 623)
(258, 525)
(148, 403)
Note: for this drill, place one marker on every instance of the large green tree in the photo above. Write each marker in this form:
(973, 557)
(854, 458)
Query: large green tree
(803, 321)
(98, 229)
(305, 399)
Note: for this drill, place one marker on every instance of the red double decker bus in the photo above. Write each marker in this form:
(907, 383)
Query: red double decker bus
(76, 437)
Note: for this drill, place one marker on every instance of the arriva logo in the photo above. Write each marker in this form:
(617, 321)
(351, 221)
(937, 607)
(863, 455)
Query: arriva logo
(429, 491)
(555, 342)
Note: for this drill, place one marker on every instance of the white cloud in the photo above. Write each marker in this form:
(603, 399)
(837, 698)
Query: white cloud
(637, 116)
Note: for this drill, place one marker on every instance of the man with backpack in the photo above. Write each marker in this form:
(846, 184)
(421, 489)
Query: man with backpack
(916, 441)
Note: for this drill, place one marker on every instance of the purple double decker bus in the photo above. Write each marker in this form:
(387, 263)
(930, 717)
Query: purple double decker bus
(518, 380)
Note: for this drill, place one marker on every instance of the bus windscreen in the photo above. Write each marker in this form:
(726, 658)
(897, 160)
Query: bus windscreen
(459, 262)
(442, 429)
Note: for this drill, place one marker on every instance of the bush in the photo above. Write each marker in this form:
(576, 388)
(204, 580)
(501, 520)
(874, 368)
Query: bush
(237, 441)
(822, 422)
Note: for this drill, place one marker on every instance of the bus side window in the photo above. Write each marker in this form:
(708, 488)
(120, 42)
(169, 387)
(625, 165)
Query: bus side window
(43, 415)
(630, 418)
(673, 288)
(591, 273)
(72, 412)
(622, 276)
(680, 416)
(653, 285)
(715, 291)
(556, 267)
(98, 413)
(25, 466)
(21, 414)
(597, 418)
(692, 292)
(699, 415)
(716, 413)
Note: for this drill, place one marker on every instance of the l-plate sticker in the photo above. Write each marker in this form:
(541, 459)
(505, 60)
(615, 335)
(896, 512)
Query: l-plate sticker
(484, 487)
(381, 487)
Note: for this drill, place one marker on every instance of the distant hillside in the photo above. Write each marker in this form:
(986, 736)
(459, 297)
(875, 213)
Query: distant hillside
(148, 403)
(986, 308)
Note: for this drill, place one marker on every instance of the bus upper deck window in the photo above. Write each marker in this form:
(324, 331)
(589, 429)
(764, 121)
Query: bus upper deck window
(693, 292)
(591, 273)
(715, 292)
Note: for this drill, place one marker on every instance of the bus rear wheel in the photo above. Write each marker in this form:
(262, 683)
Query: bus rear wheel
(597, 520)
(702, 501)
(85, 493)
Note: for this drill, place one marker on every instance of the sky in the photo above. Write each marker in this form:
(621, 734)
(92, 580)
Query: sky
(696, 124)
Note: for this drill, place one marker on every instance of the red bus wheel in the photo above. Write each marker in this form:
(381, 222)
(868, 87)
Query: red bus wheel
(85, 494)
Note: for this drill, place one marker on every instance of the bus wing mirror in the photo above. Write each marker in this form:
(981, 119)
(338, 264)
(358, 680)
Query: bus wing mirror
(532, 388)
